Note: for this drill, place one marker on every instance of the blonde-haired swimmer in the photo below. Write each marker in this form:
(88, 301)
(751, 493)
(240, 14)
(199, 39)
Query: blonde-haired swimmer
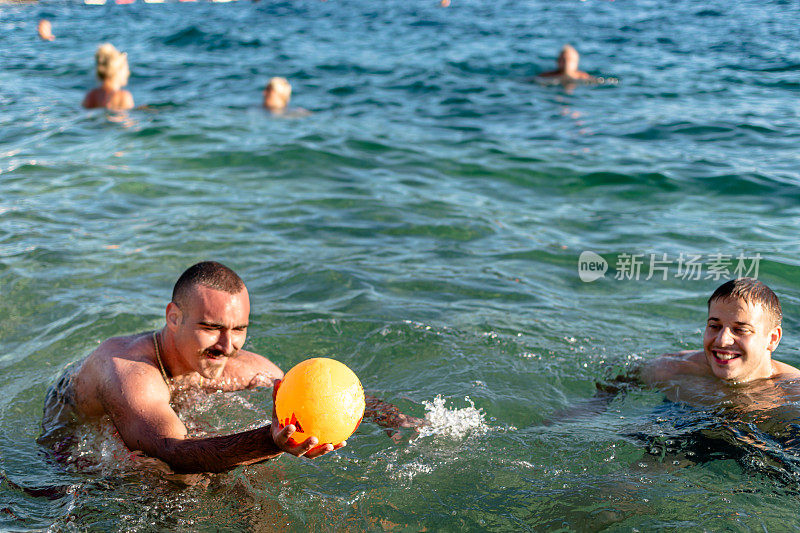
(277, 94)
(112, 71)
(568, 67)
(45, 30)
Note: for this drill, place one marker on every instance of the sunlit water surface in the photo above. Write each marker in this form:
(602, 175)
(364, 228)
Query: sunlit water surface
(422, 225)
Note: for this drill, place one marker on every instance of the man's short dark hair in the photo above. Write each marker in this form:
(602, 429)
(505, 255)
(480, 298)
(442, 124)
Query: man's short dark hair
(208, 274)
(753, 292)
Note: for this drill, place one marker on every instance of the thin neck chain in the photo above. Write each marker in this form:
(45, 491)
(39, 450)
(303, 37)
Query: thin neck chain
(158, 358)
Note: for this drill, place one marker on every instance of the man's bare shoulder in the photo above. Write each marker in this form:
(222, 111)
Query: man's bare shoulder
(119, 100)
(561, 77)
(250, 370)
(117, 364)
(94, 98)
(672, 365)
(138, 347)
(785, 371)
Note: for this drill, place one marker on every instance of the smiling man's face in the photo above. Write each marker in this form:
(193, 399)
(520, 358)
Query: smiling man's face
(739, 340)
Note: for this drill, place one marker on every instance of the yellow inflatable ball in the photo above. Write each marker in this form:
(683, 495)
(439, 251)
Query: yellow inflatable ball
(322, 398)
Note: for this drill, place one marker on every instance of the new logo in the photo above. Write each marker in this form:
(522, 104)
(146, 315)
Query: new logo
(591, 266)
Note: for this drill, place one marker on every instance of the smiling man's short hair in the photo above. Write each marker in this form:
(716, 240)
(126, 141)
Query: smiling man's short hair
(754, 292)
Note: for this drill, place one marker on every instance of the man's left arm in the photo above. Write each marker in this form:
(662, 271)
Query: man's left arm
(387, 415)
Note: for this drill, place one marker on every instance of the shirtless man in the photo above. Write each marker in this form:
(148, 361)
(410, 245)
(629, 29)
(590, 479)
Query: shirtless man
(743, 329)
(45, 30)
(113, 73)
(131, 380)
(277, 94)
(734, 369)
(567, 70)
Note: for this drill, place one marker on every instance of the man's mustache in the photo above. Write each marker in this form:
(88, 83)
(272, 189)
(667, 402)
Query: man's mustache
(210, 352)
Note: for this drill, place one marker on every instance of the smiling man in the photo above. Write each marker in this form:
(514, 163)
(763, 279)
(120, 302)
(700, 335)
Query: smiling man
(729, 400)
(132, 379)
(742, 331)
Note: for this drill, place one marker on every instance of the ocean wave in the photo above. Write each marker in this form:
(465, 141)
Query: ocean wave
(192, 36)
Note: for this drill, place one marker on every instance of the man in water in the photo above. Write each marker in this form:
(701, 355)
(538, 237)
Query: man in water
(743, 329)
(45, 30)
(728, 400)
(739, 402)
(131, 380)
(277, 94)
(567, 71)
(735, 367)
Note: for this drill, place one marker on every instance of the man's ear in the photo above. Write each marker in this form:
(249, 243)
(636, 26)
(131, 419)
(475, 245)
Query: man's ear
(774, 338)
(174, 316)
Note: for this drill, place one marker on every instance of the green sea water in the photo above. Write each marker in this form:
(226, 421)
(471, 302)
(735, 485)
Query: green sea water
(423, 225)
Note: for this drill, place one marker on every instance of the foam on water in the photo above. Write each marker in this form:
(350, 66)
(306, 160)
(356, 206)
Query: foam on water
(451, 427)
(453, 423)
(99, 449)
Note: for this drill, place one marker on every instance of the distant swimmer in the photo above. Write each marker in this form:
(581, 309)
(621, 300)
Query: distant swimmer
(277, 94)
(567, 70)
(113, 73)
(46, 30)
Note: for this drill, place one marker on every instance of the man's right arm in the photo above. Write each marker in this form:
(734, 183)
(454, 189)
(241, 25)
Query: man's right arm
(659, 373)
(137, 401)
(218, 454)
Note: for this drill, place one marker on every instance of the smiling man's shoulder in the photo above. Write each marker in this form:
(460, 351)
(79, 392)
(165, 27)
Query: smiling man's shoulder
(785, 371)
(673, 365)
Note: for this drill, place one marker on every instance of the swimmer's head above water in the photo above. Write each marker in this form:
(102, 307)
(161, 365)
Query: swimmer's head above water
(112, 65)
(568, 60)
(277, 94)
(567, 71)
(207, 319)
(45, 30)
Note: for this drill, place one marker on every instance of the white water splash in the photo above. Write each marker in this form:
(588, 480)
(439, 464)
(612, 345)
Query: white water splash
(98, 448)
(453, 423)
